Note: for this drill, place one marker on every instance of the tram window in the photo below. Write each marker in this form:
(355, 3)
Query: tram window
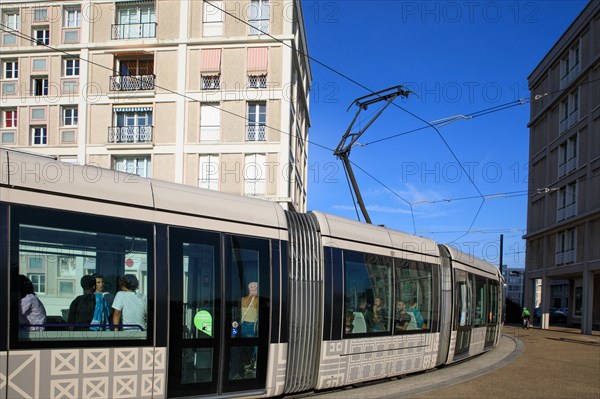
(55, 261)
(414, 301)
(367, 293)
(480, 301)
(493, 292)
(463, 294)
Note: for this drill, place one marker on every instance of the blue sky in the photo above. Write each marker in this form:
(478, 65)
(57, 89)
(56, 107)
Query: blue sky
(458, 57)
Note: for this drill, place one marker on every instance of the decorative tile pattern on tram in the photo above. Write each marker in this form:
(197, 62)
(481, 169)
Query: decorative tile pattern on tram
(90, 373)
(355, 360)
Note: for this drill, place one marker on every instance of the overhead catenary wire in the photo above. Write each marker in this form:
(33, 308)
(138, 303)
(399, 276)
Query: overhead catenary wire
(367, 89)
(22, 35)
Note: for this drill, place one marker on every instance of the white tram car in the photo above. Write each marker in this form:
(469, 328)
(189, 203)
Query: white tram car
(339, 302)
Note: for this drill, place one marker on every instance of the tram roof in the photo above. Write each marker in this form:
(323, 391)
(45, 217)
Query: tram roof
(39, 173)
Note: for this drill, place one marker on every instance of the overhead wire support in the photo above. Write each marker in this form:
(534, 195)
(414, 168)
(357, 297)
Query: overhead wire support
(349, 139)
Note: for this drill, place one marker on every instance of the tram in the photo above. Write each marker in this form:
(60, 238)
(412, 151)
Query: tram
(334, 302)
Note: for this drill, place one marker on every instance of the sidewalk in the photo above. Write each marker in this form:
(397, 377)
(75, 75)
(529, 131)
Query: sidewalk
(555, 363)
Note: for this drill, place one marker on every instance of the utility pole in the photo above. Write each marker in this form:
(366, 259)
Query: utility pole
(501, 250)
(349, 139)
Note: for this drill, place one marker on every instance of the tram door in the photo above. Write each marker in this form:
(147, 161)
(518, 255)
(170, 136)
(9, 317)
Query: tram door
(462, 312)
(219, 313)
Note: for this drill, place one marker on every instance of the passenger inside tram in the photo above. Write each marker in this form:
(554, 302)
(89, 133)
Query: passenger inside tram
(404, 320)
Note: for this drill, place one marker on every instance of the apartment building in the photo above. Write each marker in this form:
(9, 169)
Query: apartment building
(563, 218)
(513, 280)
(205, 93)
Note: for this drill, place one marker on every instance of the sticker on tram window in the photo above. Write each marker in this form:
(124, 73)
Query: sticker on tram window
(203, 322)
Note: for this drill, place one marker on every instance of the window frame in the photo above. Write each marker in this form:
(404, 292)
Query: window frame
(39, 133)
(11, 115)
(69, 120)
(74, 68)
(41, 34)
(85, 223)
(13, 71)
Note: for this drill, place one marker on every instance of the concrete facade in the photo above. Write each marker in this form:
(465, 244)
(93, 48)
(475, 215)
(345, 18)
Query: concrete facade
(563, 217)
(205, 94)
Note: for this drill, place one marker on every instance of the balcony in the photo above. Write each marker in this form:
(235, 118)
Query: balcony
(132, 83)
(133, 31)
(573, 118)
(129, 134)
(256, 133)
(559, 258)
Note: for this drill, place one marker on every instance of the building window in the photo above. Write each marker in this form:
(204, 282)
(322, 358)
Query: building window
(213, 19)
(40, 14)
(71, 67)
(566, 242)
(254, 175)
(42, 35)
(567, 156)
(258, 17)
(68, 137)
(257, 65)
(210, 69)
(209, 172)
(40, 86)
(135, 21)
(69, 116)
(38, 114)
(133, 165)
(7, 138)
(132, 125)
(9, 118)
(210, 122)
(39, 64)
(39, 135)
(570, 66)
(10, 19)
(11, 70)
(257, 120)
(569, 111)
(39, 282)
(72, 15)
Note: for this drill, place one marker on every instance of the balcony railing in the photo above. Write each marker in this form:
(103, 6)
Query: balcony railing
(211, 82)
(560, 214)
(210, 133)
(132, 83)
(134, 31)
(563, 125)
(257, 81)
(573, 118)
(212, 29)
(571, 164)
(559, 258)
(570, 210)
(570, 75)
(258, 26)
(130, 134)
(570, 256)
(254, 188)
(256, 133)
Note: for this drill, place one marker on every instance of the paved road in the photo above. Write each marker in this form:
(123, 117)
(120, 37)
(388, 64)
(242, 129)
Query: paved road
(557, 363)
